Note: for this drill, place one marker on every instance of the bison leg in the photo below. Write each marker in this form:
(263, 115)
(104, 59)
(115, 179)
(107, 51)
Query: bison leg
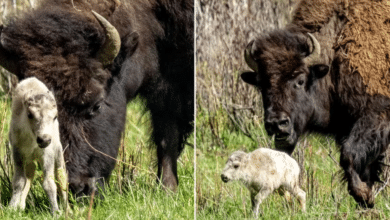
(21, 184)
(258, 198)
(166, 136)
(351, 160)
(48, 184)
(360, 156)
(300, 195)
(359, 190)
(61, 176)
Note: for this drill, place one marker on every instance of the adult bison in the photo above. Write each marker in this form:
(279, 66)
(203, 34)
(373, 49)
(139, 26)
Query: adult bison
(96, 63)
(307, 85)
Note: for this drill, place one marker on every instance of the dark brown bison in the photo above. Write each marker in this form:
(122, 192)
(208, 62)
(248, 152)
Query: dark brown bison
(96, 63)
(307, 85)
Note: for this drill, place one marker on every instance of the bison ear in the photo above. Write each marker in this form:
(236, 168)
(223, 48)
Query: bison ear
(319, 70)
(250, 77)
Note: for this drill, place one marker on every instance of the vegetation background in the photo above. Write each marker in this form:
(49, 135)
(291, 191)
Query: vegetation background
(230, 117)
(133, 192)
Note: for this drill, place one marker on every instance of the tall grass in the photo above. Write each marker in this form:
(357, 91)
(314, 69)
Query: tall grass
(132, 192)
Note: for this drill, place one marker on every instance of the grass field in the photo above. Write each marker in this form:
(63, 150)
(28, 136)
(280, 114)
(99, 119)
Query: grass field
(133, 192)
(217, 136)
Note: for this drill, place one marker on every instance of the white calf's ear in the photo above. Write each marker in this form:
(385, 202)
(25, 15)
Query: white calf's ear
(236, 164)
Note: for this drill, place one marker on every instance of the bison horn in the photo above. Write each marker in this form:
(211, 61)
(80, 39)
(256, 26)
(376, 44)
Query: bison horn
(315, 52)
(112, 44)
(248, 57)
(5, 59)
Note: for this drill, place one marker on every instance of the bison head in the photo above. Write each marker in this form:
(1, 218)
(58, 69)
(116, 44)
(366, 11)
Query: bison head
(67, 50)
(285, 73)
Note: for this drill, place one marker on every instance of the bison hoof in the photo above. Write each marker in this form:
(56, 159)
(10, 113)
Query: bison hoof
(366, 204)
(363, 196)
(168, 185)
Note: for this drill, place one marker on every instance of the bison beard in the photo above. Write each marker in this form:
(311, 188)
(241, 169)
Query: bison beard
(61, 45)
(323, 96)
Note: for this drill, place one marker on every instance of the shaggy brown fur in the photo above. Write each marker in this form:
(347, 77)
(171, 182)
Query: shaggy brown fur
(364, 37)
(62, 52)
(366, 40)
(314, 14)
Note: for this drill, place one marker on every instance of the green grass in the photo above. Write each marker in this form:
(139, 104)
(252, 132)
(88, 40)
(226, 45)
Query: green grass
(327, 196)
(133, 192)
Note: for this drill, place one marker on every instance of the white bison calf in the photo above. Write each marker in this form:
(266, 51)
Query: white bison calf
(34, 136)
(263, 171)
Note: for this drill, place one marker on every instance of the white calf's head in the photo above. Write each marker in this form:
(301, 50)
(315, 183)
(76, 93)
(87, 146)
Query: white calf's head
(41, 111)
(37, 110)
(234, 165)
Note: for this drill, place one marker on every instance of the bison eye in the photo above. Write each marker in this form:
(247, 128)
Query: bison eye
(96, 108)
(299, 84)
(29, 115)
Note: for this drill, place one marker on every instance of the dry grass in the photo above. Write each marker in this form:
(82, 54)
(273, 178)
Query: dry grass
(7, 11)
(223, 30)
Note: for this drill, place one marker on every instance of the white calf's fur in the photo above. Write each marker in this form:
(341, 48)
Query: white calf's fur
(263, 171)
(34, 136)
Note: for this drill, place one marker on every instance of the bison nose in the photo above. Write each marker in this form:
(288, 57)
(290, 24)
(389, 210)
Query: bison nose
(284, 125)
(279, 124)
(224, 178)
(43, 141)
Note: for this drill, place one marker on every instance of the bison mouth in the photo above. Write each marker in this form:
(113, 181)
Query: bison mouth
(286, 142)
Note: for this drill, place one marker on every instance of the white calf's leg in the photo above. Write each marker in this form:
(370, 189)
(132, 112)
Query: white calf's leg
(21, 183)
(61, 177)
(29, 170)
(18, 184)
(258, 198)
(49, 184)
(299, 194)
